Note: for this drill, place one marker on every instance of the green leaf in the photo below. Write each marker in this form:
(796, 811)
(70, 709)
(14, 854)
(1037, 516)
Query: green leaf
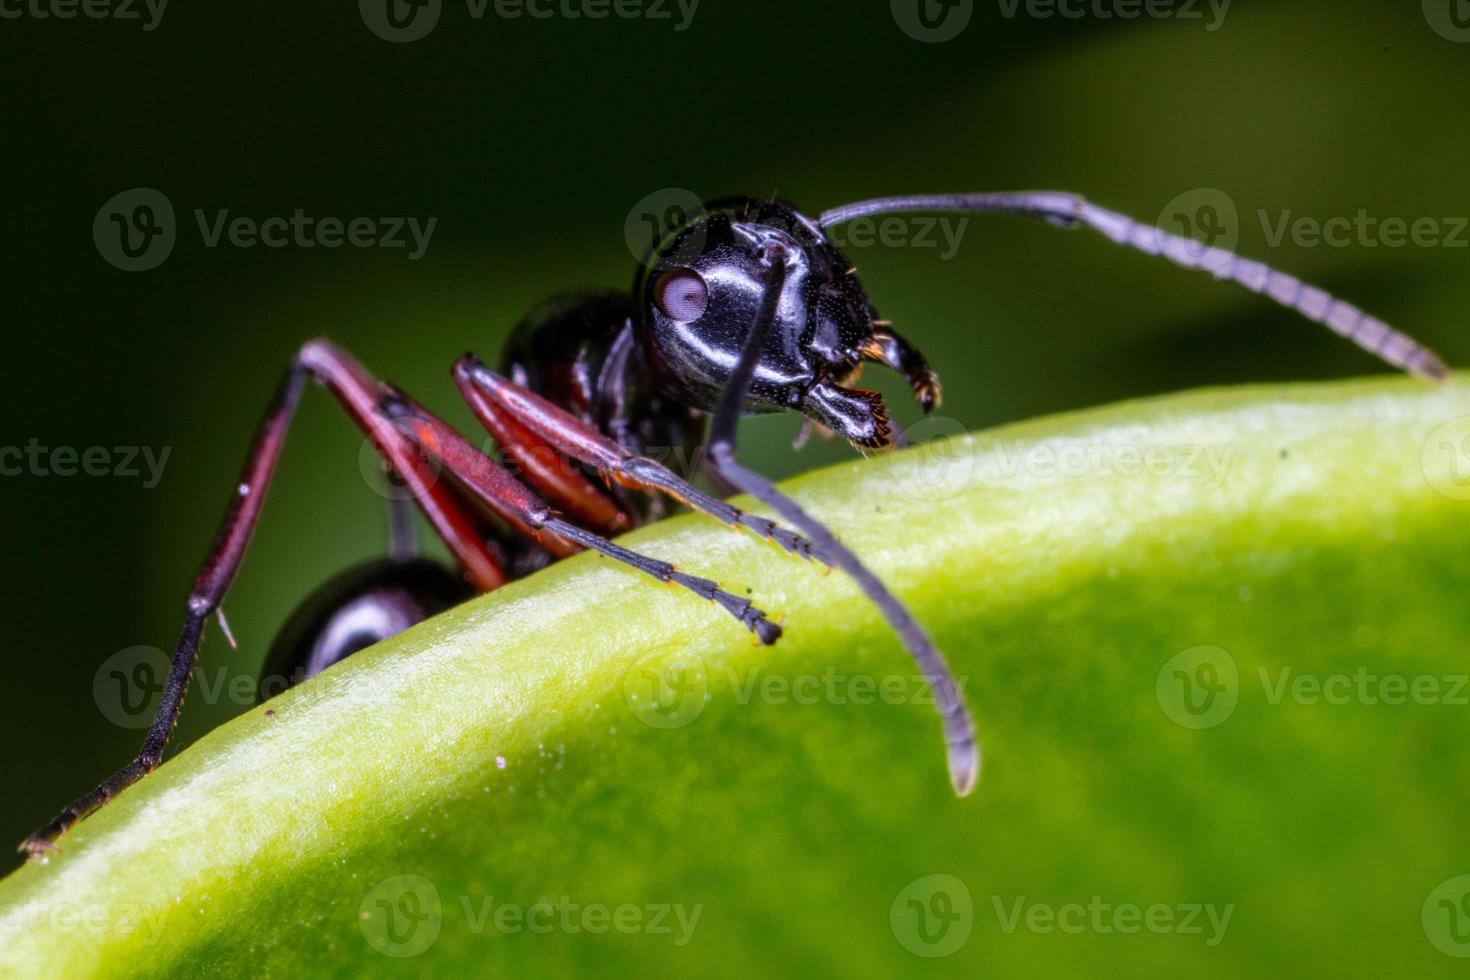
(1182, 625)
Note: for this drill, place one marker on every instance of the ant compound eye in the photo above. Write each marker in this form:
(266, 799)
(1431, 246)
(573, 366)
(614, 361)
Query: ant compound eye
(681, 294)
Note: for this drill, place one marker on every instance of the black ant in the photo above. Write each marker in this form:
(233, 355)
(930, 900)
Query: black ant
(743, 307)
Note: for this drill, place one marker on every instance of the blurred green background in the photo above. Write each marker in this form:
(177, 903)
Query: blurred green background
(530, 141)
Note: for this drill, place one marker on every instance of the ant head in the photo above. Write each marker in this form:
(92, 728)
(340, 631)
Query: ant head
(697, 295)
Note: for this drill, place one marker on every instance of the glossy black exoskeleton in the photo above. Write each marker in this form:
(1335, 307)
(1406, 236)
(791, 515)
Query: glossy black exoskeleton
(743, 307)
(362, 606)
(645, 369)
(699, 294)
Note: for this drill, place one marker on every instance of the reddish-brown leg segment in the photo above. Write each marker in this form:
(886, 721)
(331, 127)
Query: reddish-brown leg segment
(498, 401)
(542, 465)
(450, 515)
(520, 506)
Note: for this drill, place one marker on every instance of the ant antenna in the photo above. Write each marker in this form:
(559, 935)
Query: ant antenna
(962, 748)
(1068, 210)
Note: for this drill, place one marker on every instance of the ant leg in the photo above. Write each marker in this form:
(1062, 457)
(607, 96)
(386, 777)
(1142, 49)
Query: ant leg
(497, 402)
(521, 507)
(541, 465)
(357, 391)
(448, 513)
(403, 543)
(959, 730)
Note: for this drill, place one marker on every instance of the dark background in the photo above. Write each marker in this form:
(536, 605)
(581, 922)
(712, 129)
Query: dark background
(530, 141)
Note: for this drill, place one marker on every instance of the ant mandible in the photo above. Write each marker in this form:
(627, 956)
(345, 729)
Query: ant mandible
(745, 307)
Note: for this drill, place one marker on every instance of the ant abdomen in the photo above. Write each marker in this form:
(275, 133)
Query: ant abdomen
(354, 610)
